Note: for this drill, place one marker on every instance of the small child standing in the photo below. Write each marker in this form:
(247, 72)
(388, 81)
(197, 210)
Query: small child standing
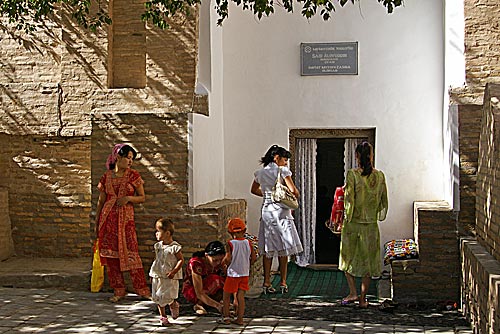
(166, 270)
(239, 257)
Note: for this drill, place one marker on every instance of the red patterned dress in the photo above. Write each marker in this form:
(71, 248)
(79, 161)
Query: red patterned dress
(118, 245)
(213, 281)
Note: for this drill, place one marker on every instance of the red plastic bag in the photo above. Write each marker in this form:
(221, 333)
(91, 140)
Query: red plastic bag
(337, 217)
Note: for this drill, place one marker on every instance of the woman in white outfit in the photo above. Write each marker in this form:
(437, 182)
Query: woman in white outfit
(277, 233)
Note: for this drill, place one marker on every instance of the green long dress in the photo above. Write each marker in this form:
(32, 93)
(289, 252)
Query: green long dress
(365, 203)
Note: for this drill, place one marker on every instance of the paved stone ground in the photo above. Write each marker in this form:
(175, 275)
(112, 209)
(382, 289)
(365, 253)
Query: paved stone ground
(333, 311)
(56, 311)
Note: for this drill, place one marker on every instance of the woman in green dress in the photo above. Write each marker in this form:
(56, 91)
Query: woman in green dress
(365, 204)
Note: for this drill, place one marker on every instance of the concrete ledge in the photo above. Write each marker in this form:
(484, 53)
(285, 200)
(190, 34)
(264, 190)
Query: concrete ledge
(54, 273)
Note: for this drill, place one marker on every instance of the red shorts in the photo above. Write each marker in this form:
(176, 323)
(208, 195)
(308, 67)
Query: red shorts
(233, 284)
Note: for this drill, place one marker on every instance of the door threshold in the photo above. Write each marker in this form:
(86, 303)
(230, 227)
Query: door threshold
(323, 266)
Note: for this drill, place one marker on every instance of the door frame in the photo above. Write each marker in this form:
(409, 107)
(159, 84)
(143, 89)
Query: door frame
(295, 134)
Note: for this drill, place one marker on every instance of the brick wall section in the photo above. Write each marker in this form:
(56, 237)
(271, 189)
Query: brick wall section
(480, 287)
(482, 54)
(127, 45)
(481, 256)
(52, 85)
(6, 244)
(469, 119)
(48, 182)
(488, 182)
(437, 272)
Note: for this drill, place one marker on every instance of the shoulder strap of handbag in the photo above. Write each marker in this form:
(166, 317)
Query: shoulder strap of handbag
(278, 179)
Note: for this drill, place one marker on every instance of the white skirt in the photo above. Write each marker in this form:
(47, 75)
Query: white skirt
(277, 232)
(164, 290)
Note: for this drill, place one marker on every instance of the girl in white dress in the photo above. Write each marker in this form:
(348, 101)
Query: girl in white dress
(277, 232)
(166, 270)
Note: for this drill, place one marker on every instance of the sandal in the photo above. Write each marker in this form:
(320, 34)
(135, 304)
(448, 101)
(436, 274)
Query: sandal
(200, 310)
(346, 301)
(364, 304)
(236, 322)
(284, 288)
(224, 320)
(174, 309)
(268, 289)
(116, 299)
(164, 321)
(387, 306)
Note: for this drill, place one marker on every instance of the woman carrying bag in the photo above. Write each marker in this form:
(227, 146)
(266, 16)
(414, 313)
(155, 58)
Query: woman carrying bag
(277, 232)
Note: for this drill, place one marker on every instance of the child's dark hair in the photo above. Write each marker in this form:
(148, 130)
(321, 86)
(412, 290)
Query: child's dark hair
(213, 248)
(166, 224)
(123, 152)
(271, 152)
(365, 151)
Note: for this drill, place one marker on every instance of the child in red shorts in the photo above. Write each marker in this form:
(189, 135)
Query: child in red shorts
(239, 256)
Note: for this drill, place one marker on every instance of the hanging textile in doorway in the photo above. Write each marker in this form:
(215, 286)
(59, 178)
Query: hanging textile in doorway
(350, 153)
(305, 216)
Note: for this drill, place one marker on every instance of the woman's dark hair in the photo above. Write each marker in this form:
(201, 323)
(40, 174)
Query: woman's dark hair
(123, 152)
(272, 151)
(364, 151)
(213, 248)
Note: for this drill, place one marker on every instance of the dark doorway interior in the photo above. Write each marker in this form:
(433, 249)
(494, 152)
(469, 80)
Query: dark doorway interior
(329, 175)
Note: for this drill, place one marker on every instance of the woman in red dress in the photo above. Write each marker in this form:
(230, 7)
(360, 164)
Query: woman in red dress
(120, 188)
(204, 278)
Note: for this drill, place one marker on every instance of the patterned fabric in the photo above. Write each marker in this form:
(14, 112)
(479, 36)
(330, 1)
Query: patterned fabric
(365, 204)
(117, 235)
(213, 281)
(402, 249)
(254, 241)
(365, 198)
(305, 166)
(117, 282)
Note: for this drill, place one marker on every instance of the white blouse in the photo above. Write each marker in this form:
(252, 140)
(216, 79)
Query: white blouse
(165, 260)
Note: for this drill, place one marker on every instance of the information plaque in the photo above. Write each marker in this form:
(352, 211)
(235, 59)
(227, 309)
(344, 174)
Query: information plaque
(329, 58)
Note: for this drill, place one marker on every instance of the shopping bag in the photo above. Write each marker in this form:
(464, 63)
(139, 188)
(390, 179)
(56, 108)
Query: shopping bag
(97, 278)
(336, 220)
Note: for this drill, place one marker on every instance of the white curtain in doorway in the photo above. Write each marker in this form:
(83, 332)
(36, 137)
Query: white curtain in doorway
(350, 153)
(305, 217)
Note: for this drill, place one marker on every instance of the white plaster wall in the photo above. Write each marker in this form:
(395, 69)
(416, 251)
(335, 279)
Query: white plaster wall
(206, 151)
(454, 77)
(399, 90)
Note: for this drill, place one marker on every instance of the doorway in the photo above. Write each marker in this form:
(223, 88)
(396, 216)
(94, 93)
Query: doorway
(320, 159)
(329, 175)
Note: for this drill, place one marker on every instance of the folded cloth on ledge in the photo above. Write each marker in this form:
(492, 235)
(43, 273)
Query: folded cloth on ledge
(401, 249)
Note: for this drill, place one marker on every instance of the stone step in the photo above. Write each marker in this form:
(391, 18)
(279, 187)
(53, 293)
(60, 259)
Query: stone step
(44, 273)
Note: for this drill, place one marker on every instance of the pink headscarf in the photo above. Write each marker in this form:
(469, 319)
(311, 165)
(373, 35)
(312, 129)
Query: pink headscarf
(114, 155)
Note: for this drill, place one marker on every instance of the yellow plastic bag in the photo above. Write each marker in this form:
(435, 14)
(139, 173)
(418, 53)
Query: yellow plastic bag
(97, 279)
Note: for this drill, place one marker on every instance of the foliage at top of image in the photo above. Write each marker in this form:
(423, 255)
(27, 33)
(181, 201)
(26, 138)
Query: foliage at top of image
(26, 14)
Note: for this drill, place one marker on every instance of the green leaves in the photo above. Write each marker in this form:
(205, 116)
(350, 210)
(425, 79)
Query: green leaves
(159, 11)
(26, 14)
(391, 4)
